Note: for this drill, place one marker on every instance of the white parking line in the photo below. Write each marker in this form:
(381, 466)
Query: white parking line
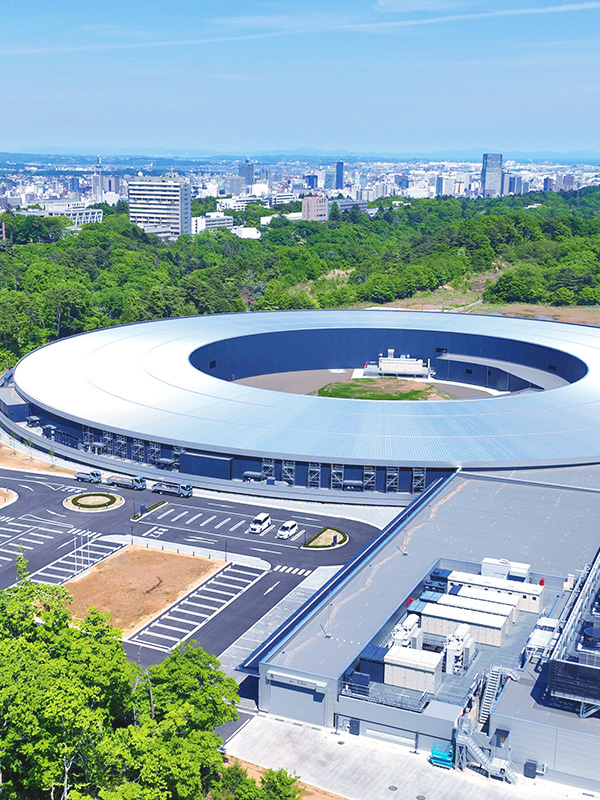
(170, 627)
(237, 525)
(264, 533)
(206, 521)
(298, 535)
(4, 558)
(220, 524)
(183, 513)
(166, 513)
(191, 519)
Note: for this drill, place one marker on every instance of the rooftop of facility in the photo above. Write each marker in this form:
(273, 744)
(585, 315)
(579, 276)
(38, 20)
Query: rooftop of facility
(470, 518)
(173, 380)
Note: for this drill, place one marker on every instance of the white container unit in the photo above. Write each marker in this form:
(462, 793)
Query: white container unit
(500, 598)
(485, 628)
(413, 669)
(474, 604)
(530, 594)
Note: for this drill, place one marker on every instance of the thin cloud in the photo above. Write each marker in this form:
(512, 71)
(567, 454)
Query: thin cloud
(382, 27)
(409, 6)
(300, 25)
(87, 48)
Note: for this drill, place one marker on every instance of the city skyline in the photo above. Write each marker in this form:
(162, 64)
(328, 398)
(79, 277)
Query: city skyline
(392, 76)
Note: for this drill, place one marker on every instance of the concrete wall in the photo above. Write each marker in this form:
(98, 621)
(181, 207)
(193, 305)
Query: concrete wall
(571, 756)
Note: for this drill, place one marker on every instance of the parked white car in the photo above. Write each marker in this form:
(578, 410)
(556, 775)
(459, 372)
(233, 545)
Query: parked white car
(288, 529)
(260, 523)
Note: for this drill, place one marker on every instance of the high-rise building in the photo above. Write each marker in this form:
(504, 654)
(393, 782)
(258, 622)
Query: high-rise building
(444, 185)
(339, 175)
(246, 171)
(97, 189)
(549, 184)
(311, 181)
(163, 202)
(111, 183)
(491, 175)
(315, 208)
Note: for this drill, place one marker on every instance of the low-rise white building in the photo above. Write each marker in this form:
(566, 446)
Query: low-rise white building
(214, 219)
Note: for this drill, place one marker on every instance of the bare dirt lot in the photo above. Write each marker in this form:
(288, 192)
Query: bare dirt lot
(310, 792)
(137, 583)
(13, 459)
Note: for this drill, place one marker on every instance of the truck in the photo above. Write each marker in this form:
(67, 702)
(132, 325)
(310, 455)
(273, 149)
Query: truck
(138, 482)
(178, 489)
(89, 477)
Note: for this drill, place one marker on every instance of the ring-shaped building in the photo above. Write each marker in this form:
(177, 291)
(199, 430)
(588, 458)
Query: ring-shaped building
(164, 394)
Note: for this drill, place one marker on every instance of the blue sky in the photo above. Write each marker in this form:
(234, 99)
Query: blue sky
(267, 75)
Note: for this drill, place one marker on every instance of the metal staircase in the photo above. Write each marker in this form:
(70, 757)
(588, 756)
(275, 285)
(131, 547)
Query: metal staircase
(469, 751)
(490, 694)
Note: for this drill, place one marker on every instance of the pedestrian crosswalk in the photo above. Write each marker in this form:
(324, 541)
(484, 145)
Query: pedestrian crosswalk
(186, 616)
(291, 570)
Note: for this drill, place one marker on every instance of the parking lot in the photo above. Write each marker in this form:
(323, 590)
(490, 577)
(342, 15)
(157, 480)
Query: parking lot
(60, 543)
(199, 524)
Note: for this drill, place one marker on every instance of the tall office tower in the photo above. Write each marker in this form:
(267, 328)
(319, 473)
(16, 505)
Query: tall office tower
(491, 175)
(246, 171)
(339, 175)
(568, 183)
(111, 183)
(311, 181)
(234, 184)
(329, 181)
(549, 184)
(97, 190)
(444, 185)
(163, 201)
(515, 185)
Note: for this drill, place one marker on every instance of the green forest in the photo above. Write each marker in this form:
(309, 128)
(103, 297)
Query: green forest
(80, 722)
(538, 248)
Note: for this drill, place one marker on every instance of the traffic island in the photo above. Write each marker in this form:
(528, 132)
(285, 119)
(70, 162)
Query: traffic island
(93, 502)
(327, 538)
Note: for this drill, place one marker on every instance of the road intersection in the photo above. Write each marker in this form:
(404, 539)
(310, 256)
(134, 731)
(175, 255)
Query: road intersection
(60, 543)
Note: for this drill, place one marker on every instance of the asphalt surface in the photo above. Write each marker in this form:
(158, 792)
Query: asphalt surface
(60, 543)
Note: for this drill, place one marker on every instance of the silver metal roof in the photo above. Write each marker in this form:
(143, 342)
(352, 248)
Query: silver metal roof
(553, 529)
(138, 379)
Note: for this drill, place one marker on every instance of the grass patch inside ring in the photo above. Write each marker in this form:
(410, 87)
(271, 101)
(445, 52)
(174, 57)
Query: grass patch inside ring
(325, 538)
(94, 500)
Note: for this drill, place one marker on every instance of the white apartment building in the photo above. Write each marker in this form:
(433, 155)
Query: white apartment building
(163, 201)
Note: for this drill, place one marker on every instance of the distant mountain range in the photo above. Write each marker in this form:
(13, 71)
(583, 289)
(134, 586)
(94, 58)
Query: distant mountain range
(139, 156)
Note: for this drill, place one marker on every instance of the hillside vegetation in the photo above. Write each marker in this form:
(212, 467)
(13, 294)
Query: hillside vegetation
(539, 248)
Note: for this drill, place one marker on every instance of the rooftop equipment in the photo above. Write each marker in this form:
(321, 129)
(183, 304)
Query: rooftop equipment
(460, 650)
(502, 568)
(529, 594)
(413, 669)
(443, 620)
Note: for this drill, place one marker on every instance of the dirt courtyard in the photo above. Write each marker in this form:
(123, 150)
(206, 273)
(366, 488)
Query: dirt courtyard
(14, 459)
(136, 583)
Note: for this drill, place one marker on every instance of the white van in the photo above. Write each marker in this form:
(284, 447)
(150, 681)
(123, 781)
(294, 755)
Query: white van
(260, 523)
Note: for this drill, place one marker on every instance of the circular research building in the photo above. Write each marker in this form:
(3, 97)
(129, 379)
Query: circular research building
(166, 395)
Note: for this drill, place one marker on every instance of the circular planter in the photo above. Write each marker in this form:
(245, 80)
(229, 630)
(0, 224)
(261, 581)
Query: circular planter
(93, 502)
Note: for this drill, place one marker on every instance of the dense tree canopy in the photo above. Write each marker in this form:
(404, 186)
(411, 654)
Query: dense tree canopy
(79, 721)
(54, 283)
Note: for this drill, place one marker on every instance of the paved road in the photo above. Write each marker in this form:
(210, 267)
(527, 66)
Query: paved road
(60, 543)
